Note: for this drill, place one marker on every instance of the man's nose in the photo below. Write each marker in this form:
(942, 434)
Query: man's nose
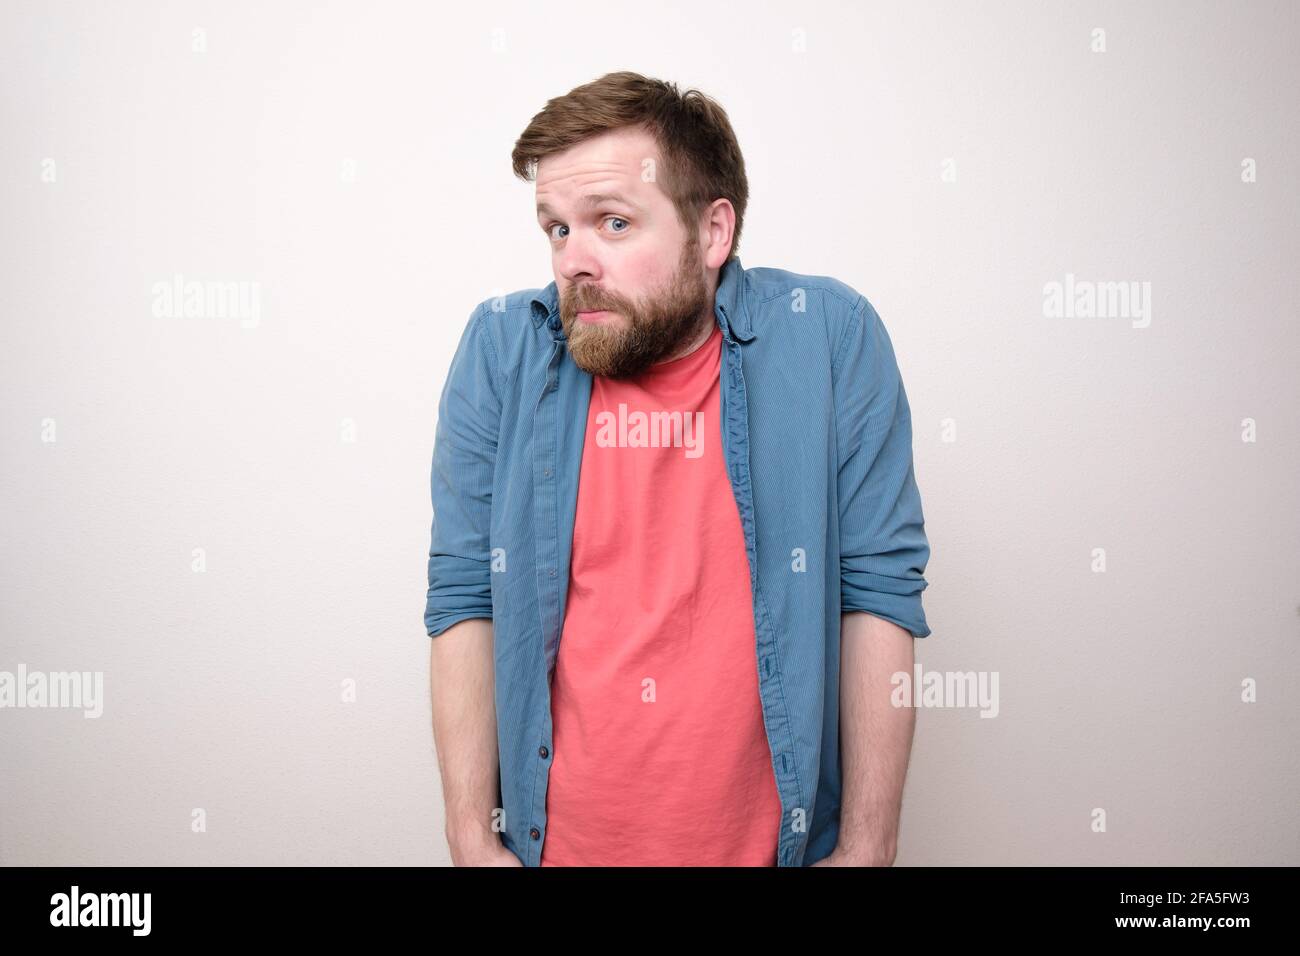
(578, 261)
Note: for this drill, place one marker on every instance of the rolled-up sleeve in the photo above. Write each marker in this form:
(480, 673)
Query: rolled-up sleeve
(464, 460)
(883, 545)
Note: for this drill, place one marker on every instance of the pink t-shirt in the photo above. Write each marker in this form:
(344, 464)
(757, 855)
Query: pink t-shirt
(660, 756)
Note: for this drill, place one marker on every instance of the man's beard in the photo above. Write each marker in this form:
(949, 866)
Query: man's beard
(643, 333)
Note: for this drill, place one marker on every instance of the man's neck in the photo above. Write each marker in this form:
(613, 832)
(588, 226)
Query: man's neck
(699, 338)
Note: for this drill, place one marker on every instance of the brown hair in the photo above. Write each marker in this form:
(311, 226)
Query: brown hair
(702, 158)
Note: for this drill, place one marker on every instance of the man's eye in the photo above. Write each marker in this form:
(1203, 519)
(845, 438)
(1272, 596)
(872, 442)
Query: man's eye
(550, 230)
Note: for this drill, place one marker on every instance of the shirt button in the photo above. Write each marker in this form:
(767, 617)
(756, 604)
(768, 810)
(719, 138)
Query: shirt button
(551, 572)
(546, 472)
(535, 833)
(543, 751)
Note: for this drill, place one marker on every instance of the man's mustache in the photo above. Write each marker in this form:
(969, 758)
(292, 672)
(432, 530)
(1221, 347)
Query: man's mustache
(595, 307)
(587, 304)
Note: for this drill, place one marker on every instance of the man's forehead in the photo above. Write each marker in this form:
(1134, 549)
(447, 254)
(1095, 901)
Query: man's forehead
(618, 157)
(593, 199)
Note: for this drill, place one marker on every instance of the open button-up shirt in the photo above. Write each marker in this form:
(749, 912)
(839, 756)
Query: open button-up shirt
(817, 441)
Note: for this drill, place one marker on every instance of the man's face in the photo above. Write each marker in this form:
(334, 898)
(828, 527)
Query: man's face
(632, 281)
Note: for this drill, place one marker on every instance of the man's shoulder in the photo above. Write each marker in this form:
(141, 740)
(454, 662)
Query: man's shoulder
(513, 307)
(771, 285)
(511, 320)
(777, 294)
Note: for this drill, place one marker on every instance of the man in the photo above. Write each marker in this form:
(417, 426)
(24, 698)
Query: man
(678, 547)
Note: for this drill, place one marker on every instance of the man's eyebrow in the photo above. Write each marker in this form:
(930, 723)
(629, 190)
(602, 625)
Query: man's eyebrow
(593, 199)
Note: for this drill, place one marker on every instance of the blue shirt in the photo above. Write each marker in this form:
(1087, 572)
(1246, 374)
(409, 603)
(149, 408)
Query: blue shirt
(817, 441)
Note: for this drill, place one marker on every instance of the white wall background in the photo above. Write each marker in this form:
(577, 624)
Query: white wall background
(127, 156)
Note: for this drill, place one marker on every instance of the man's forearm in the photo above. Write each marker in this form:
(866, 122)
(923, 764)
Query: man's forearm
(465, 731)
(875, 738)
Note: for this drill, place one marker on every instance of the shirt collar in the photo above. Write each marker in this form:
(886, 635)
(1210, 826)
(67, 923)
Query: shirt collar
(729, 303)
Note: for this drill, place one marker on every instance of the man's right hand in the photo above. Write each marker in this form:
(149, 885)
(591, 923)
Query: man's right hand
(500, 857)
(485, 852)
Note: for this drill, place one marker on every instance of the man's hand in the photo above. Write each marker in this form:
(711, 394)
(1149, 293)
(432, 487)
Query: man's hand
(840, 857)
(489, 857)
(487, 851)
